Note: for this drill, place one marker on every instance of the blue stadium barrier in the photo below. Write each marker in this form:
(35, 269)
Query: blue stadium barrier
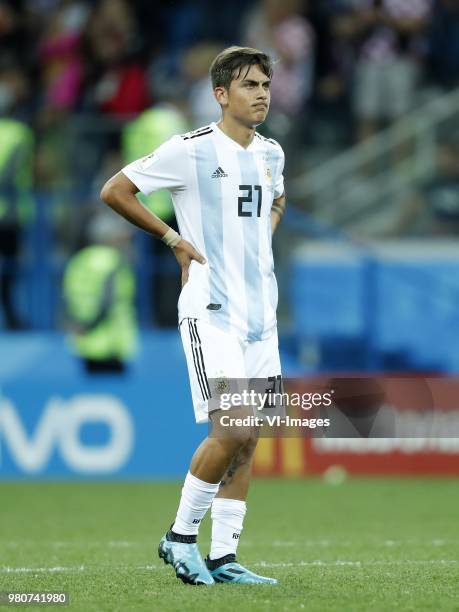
(327, 297)
(56, 421)
(414, 315)
(398, 308)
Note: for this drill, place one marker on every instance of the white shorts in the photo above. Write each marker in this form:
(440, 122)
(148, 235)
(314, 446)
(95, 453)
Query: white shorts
(214, 354)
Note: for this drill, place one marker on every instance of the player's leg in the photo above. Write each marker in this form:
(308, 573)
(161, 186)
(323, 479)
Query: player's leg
(208, 466)
(229, 506)
(211, 354)
(178, 547)
(208, 351)
(215, 454)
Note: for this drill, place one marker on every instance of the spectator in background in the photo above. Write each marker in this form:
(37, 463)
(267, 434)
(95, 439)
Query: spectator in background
(140, 137)
(279, 29)
(334, 70)
(39, 11)
(99, 293)
(225, 27)
(444, 43)
(387, 70)
(15, 64)
(16, 161)
(15, 91)
(118, 83)
(16, 208)
(115, 88)
(60, 58)
(15, 43)
(202, 106)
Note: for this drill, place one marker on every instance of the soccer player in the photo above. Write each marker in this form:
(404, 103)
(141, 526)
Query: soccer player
(227, 186)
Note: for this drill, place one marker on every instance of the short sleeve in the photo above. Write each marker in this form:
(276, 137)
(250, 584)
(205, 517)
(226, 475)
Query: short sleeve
(164, 168)
(279, 181)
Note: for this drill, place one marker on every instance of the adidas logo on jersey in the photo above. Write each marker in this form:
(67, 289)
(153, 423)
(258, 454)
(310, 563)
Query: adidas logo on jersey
(219, 173)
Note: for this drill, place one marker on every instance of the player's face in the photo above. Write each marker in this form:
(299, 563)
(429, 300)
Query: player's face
(248, 97)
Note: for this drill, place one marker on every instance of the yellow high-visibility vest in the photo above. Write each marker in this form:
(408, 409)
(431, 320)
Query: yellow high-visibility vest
(99, 292)
(145, 134)
(16, 161)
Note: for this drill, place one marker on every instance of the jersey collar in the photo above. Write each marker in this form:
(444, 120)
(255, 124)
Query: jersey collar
(221, 134)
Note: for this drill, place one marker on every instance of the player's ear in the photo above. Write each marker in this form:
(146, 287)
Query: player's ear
(221, 95)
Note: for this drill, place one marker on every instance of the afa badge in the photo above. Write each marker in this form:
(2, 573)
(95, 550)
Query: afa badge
(221, 385)
(268, 174)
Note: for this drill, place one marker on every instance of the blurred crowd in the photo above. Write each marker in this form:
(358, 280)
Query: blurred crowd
(81, 80)
(112, 59)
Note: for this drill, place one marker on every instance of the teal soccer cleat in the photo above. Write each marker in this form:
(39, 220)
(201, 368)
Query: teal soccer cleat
(186, 560)
(229, 570)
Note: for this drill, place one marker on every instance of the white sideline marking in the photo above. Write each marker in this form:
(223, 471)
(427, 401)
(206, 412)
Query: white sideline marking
(335, 543)
(245, 543)
(70, 569)
(359, 563)
(68, 544)
(282, 543)
(317, 562)
(50, 570)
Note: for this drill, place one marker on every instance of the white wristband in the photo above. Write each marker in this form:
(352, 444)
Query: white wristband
(171, 238)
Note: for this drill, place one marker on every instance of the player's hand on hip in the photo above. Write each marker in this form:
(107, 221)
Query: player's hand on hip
(185, 253)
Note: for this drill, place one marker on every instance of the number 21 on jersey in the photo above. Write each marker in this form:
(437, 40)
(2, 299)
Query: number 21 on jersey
(246, 204)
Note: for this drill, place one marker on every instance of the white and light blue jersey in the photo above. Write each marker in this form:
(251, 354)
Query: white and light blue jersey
(222, 195)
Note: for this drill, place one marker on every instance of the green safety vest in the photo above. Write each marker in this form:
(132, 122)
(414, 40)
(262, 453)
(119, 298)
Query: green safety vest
(145, 134)
(99, 291)
(16, 171)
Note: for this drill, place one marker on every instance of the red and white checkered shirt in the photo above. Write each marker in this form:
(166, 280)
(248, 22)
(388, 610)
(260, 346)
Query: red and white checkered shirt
(383, 43)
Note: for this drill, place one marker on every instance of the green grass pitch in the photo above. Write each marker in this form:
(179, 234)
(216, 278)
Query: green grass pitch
(368, 545)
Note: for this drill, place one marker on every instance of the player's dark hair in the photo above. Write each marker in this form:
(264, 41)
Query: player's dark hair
(229, 64)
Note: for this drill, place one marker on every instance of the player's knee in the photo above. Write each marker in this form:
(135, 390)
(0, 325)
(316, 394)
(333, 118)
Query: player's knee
(236, 440)
(252, 439)
(245, 438)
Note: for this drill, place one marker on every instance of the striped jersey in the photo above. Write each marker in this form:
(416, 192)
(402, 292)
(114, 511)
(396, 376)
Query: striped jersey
(222, 195)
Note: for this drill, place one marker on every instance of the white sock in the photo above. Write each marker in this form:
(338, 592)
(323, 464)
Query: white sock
(196, 499)
(227, 519)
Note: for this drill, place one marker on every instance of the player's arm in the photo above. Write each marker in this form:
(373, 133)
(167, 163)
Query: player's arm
(119, 193)
(277, 211)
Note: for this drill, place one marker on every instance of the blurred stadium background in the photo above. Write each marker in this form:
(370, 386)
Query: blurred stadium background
(365, 102)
